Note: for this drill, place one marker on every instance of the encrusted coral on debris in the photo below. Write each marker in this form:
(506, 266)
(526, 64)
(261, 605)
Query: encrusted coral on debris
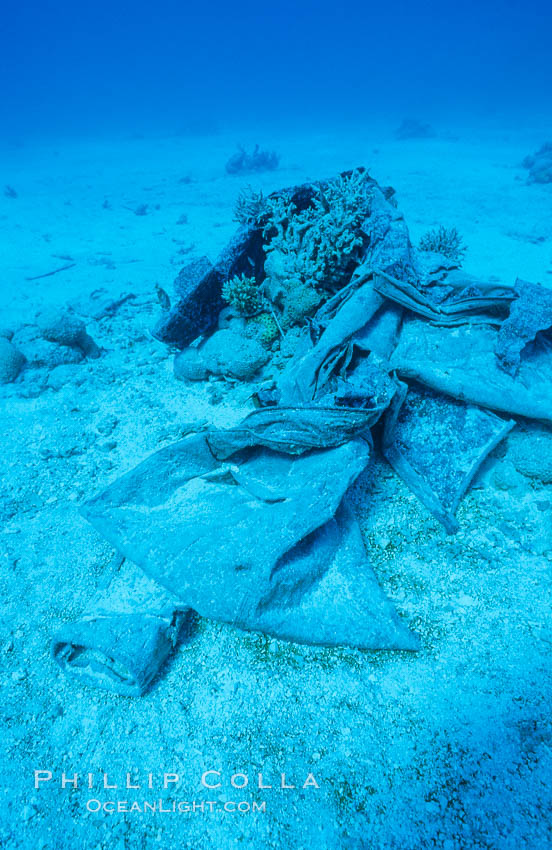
(310, 241)
(249, 206)
(530, 451)
(65, 328)
(319, 245)
(312, 252)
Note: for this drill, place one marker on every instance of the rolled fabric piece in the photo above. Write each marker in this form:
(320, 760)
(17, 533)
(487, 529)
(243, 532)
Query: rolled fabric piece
(454, 299)
(124, 637)
(293, 430)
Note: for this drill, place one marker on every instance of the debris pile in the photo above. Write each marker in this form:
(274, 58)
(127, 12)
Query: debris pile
(354, 342)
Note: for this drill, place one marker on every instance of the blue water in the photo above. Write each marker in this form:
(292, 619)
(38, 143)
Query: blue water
(171, 66)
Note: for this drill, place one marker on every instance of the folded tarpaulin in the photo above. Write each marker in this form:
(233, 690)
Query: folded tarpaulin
(294, 429)
(454, 300)
(346, 315)
(461, 362)
(325, 592)
(436, 444)
(262, 542)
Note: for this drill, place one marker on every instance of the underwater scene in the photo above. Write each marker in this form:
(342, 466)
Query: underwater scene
(276, 419)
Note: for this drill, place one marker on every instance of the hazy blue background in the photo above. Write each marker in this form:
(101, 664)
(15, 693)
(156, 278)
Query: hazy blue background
(71, 66)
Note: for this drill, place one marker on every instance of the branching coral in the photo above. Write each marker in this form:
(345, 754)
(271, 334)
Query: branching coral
(250, 206)
(446, 241)
(314, 251)
(243, 294)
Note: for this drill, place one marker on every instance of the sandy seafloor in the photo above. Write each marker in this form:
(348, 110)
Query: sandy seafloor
(447, 748)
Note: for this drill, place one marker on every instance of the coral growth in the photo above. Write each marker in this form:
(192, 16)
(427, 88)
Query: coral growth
(259, 160)
(315, 251)
(446, 241)
(311, 239)
(301, 303)
(243, 294)
(310, 252)
(225, 354)
(263, 328)
(530, 451)
(250, 206)
(66, 329)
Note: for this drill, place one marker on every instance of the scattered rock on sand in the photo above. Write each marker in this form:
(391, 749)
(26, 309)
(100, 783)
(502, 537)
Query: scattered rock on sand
(6, 333)
(33, 383)
(531, 453)
(259, 160)
(506, 476)
(232, 355)
(412, 128)
(67, 329)
(39, 352)
(225, 353)
(539, 165)
(64, 374)
(107, 424)
(11, 361)
(189, 365)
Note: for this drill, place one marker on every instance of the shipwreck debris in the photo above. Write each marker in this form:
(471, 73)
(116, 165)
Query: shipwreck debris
(339, 323)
